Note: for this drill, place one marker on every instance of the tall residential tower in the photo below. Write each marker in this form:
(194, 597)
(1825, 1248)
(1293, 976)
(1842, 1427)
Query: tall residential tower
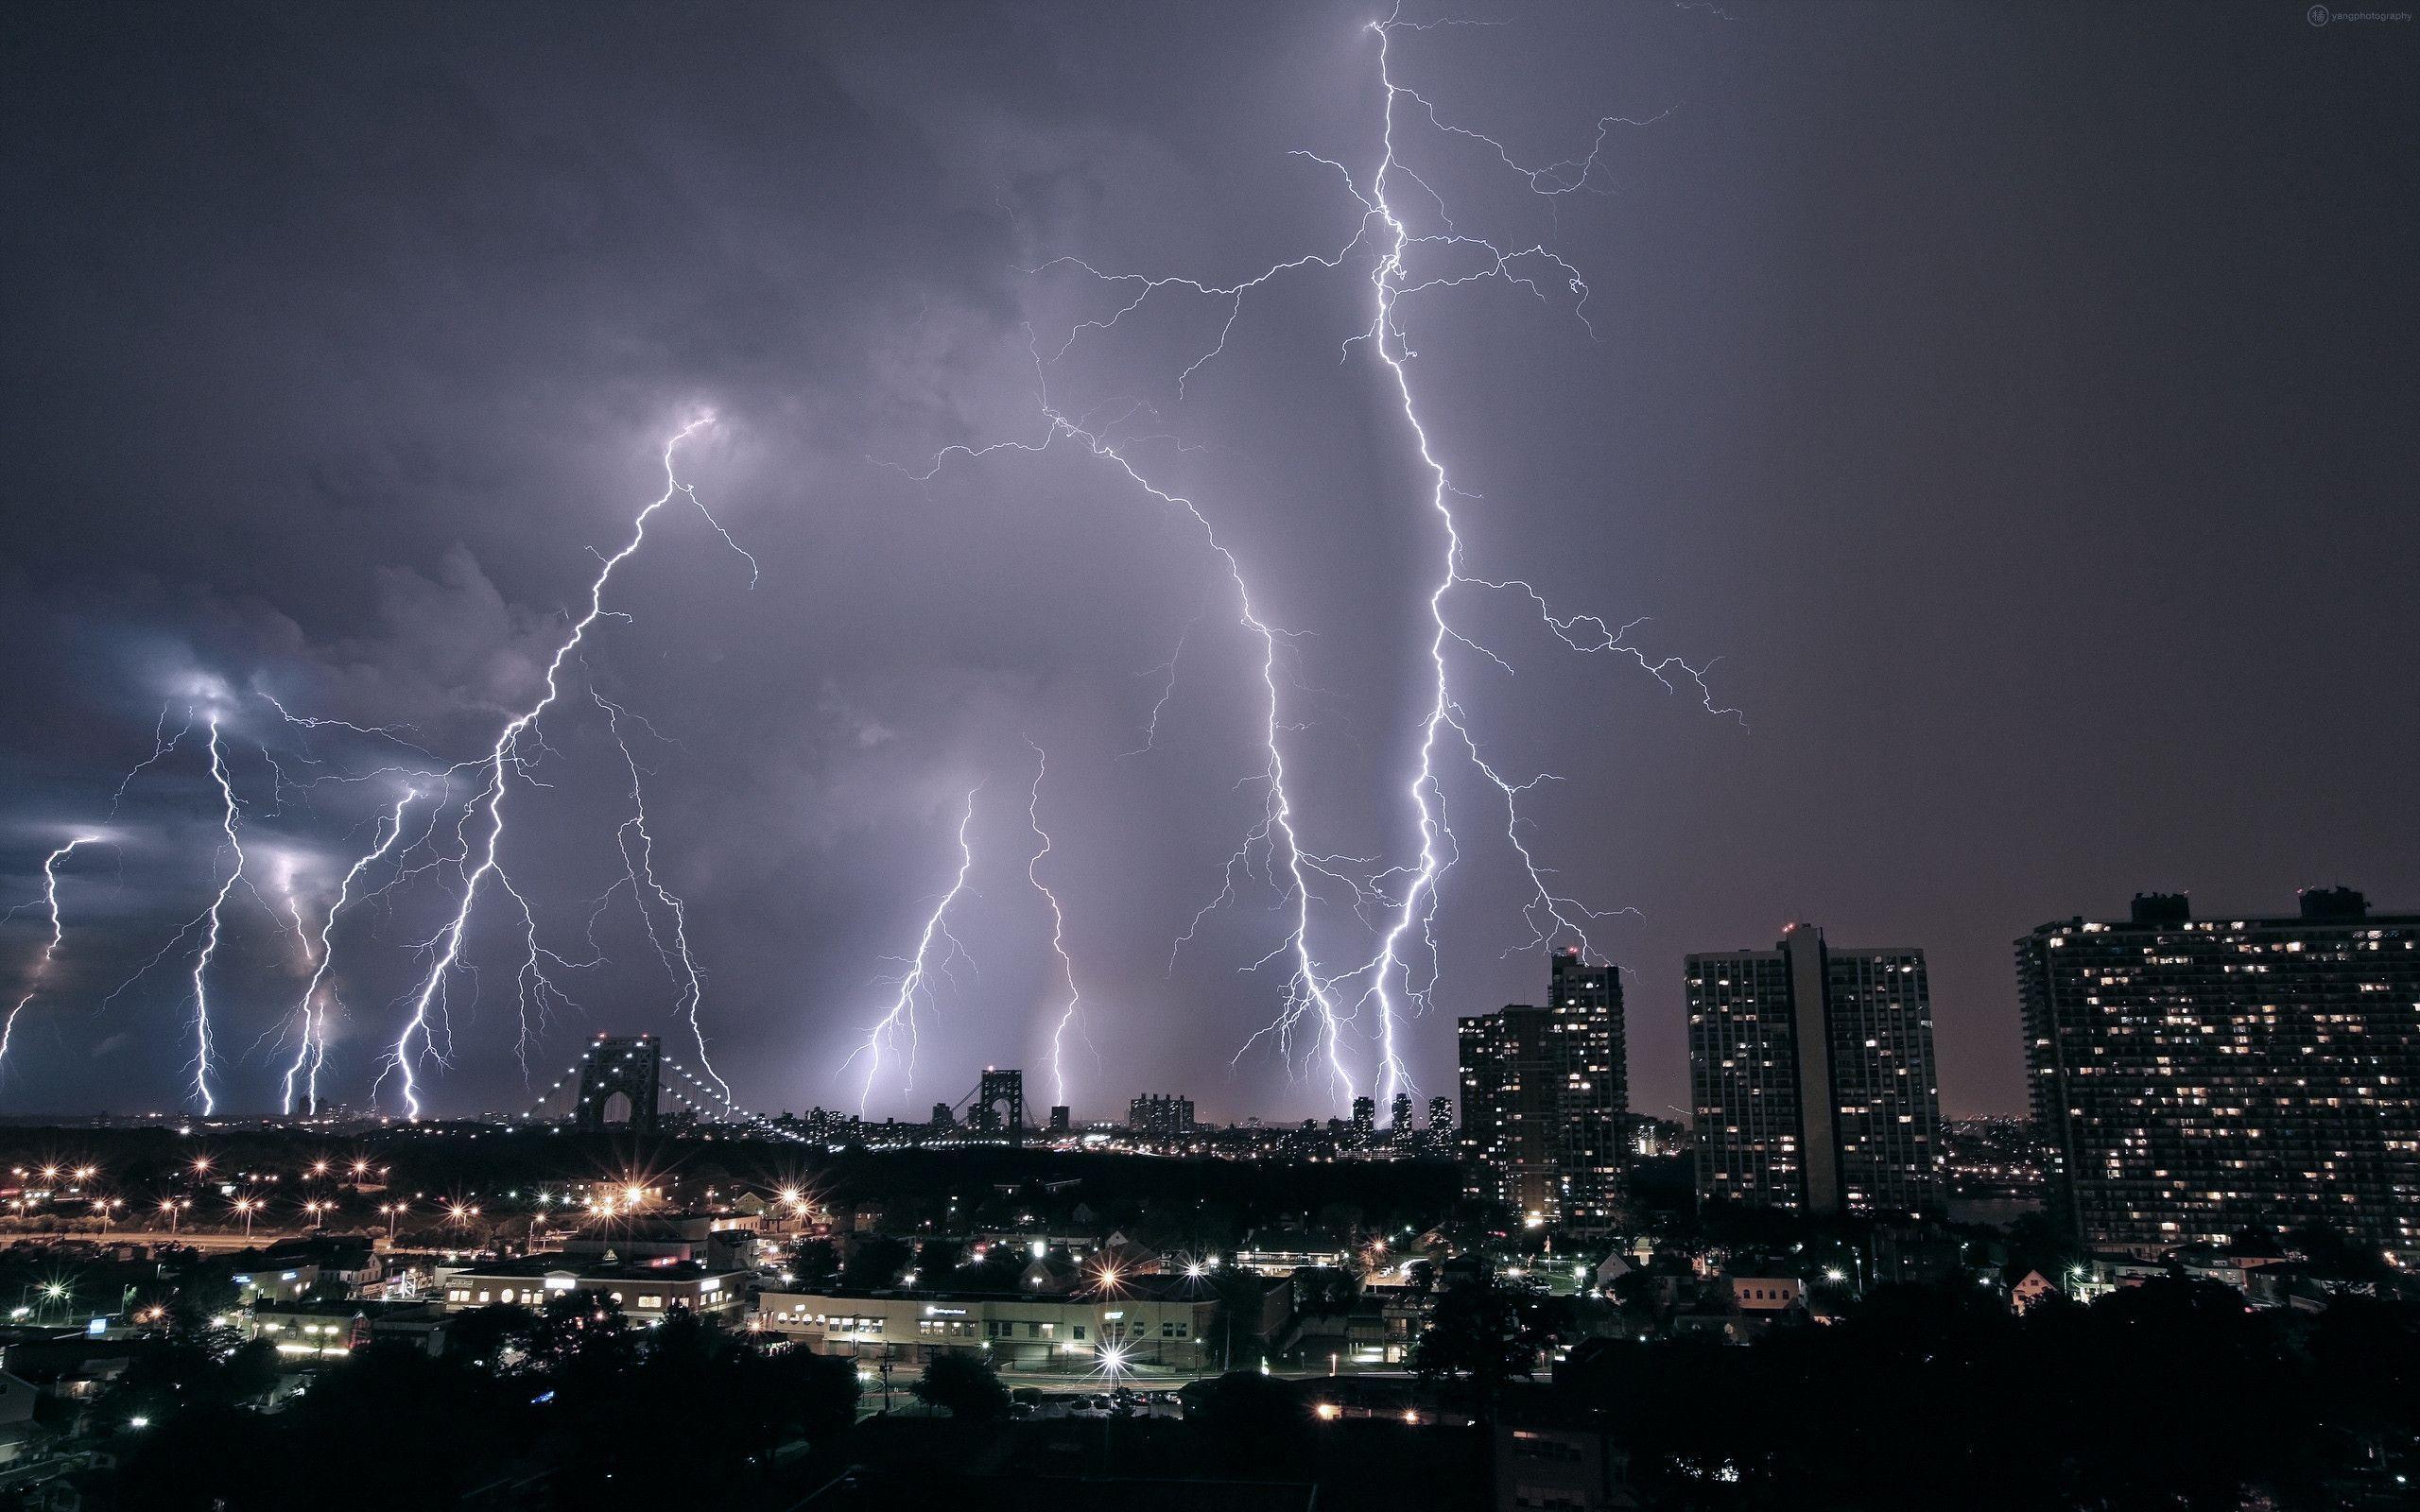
(1812, 1070)
(1544, 1093)
(2192, 1079)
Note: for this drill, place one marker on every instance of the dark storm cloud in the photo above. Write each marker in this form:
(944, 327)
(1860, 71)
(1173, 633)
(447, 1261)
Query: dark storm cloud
(2017, 403)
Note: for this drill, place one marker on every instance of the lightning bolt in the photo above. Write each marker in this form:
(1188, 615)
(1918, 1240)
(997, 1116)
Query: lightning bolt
(50, 947)
(479, 860)
(213, 918)
(899, 1019)
(640, 870)
(311, 1050)
(1058, 932)
(1309, 992)
(1385, 982)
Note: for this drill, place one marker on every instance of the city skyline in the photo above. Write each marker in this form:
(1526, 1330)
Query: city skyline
(340, 413)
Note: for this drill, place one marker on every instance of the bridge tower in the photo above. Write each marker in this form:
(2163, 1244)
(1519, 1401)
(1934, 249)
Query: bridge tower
(619, 1081)
(999, 1104)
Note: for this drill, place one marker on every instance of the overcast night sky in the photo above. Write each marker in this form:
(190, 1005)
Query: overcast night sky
(2013, 405)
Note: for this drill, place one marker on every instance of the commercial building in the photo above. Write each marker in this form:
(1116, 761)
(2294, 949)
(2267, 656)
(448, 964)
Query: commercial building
(1812, 1069)
(2195, 1078)
(643, 1289)
(1546, 1092)
(1157, 1321)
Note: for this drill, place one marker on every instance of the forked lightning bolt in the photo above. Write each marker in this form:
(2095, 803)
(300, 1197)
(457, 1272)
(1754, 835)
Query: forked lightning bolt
(1067, 1014)
(478, 857)
(1384, 981)
(639, 870)
(50, 947)
(1272, 843)
(311, 1049)
(201, 1031)
(898, 1021)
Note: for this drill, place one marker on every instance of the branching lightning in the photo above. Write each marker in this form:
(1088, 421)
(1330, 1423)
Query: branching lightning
(50, 947)
(914, 986)
(311, 1014)
(1067, 1014)
(1272, 843)
(1400, 971)
(477, 858)
(672, 946)
(201, 1032)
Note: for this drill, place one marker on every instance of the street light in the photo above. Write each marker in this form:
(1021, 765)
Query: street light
(103, 1206)
(174, 1208)
(248, 1206)
(392, 1210)
(317, 1211)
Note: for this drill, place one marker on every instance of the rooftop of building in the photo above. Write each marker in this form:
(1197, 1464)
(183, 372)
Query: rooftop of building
(1132, 1289)
(557, 1264)
(365, 1308)
(2316, 907)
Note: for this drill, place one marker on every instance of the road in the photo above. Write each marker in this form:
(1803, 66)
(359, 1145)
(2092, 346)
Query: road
(198, 1239)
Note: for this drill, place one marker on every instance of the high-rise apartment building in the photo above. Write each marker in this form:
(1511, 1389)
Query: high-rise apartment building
(1160, 1116)
(1441, 1121)
(2194, 1079)
(1812, 1069)
(1546, 1090)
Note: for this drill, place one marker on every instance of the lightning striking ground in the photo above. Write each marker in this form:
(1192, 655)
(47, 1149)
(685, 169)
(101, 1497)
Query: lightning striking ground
(1400, 971)
(1309, 992)
(478, 858)
(311, 1048)
(671, 945)
(50, 947)
(1067, 1013)
(201, 1028)
(898, 1021)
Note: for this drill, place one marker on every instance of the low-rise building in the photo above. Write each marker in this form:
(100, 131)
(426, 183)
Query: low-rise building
(640, 1289)
(1146, 1321)
(307, 1333)
(1552, 1451)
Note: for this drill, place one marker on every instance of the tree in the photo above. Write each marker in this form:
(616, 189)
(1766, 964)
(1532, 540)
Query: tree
(963, 1387)
(875, 1264)
(1251, 1423)
(1485, 1334)
(485, 1335)
(819, 1392)
(816, 1262)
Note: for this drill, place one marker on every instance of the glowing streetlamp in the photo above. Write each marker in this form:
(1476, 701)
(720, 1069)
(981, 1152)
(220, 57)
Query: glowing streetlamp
(248, 1206)
(392, 1210)
(318, 1211)
(174, 1208)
